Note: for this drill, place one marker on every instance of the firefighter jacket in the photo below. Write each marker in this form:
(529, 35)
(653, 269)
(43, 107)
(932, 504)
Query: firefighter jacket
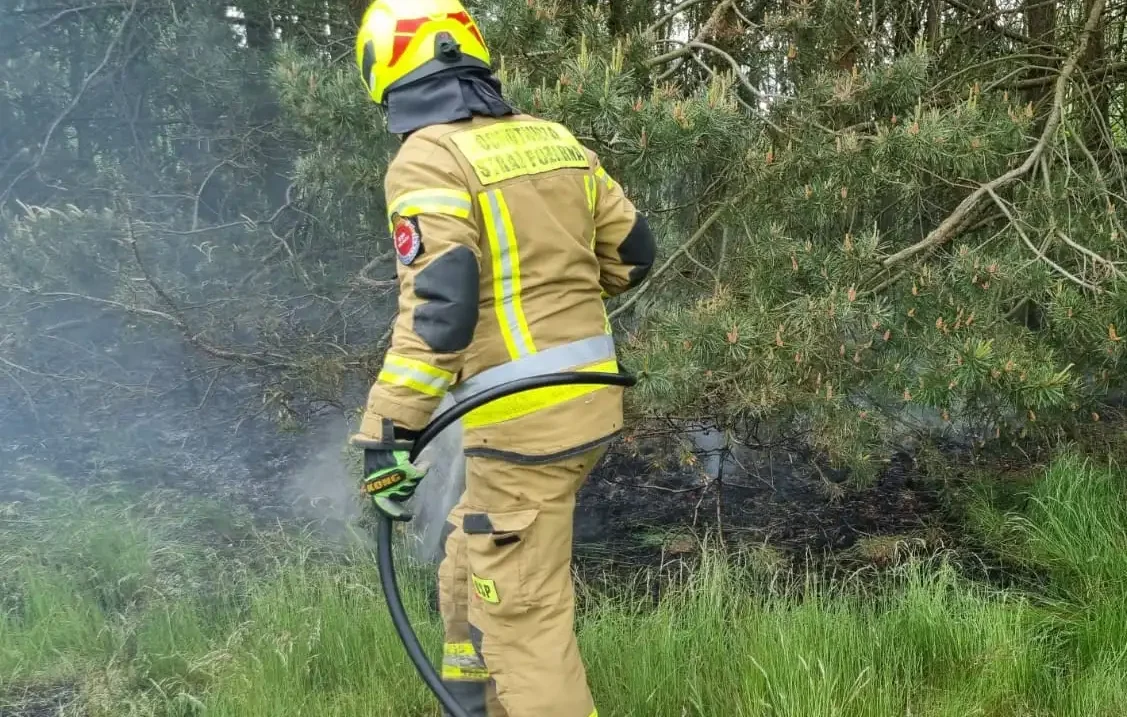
(509, 236)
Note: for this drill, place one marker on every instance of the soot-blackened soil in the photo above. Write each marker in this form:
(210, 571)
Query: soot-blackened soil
(38, 701)
(631, 513)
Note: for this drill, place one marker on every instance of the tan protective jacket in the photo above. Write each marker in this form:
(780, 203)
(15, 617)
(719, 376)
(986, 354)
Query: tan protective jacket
(509, 236)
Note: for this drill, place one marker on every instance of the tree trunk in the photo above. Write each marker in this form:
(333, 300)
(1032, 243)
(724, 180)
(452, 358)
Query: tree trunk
(1041, 21)
(907, 26)
(272, 155)
(77, 69)
(934, 24)
(1094, 65)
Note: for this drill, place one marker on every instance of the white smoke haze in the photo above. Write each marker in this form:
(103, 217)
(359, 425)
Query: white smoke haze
(325, 488)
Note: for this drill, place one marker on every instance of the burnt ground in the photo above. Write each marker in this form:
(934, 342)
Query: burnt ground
(797, 511)
(38, 701)
(642, 508)
(627, 513)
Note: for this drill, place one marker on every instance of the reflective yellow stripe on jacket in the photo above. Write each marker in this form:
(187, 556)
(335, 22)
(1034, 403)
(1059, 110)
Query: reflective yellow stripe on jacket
(415, 375)
(592, 191)
(602, 174)
(431, 201)
(522, 404)
(506, 275)
(592, 199)
(596, 353)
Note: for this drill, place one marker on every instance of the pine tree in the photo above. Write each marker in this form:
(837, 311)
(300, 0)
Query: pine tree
(869, 225)
(875, 218)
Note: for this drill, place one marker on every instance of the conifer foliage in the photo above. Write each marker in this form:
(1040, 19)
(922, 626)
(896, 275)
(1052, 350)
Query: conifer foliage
(875, 217)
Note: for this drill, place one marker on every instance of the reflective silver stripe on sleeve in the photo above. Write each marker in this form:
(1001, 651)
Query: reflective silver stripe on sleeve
(411, 377)
(553, 360)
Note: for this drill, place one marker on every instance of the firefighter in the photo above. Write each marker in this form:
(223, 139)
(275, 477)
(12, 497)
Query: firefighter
(509, 236)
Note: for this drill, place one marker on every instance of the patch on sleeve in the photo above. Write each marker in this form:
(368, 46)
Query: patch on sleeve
(408, 239)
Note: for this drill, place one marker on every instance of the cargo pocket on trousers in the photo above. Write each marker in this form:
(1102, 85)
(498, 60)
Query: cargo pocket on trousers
(501, 550)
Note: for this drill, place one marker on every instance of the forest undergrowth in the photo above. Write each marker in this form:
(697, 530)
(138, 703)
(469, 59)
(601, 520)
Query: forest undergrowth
(117, 604)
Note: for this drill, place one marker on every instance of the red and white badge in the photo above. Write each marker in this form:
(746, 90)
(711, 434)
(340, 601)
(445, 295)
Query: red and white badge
(408, 240)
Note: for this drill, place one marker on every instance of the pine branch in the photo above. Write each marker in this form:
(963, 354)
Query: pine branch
(1040, 254)
(86, 82)
(660, 22)
(947, 229)
(688, 244)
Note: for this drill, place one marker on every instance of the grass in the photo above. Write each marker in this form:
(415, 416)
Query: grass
(166, 609)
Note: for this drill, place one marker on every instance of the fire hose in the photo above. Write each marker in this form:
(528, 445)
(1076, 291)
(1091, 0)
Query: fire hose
(385, 559)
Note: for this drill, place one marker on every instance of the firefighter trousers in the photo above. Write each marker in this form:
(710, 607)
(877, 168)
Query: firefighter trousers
(506, 593)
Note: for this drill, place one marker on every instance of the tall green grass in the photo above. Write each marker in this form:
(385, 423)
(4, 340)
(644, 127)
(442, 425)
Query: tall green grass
(159, 612)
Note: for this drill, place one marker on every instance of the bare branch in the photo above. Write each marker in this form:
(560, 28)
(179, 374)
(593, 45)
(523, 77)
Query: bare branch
(1040, 254)
(1091, 254)
(988, 19)
(705, 33)
(199, 192)
(70, 108)
(685, 246)
(366, 280)
(947, 228)
(1110, 71)
(660, 22)
(688, 47)
(264, 360)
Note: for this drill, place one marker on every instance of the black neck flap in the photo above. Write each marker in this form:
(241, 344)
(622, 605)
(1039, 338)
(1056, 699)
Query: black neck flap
(450, 96)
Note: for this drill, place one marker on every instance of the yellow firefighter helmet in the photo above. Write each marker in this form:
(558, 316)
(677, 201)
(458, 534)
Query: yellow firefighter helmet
(401, 41)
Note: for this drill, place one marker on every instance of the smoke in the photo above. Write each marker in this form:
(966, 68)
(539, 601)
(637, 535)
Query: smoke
(439, 491)
(324, 489)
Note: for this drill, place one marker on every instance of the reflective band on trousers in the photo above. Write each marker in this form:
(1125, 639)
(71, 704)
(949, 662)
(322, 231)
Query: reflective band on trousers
(592, 354)
(416, 375)
(506, 275)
